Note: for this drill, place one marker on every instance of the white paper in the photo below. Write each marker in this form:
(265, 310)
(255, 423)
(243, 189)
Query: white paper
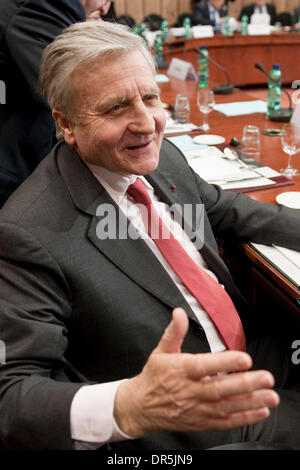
(292, 255)
(174, 126)
(212, 167)
(277, 256)
(267, 171)
(253, 183)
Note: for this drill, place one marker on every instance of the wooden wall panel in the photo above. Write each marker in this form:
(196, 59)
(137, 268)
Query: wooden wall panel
(136, 8)
(152, 7)
(170, 9)
(184, 6)
(120, 7)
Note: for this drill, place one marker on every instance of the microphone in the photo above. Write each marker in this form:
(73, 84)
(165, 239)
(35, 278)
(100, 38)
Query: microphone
(225, 89)
(282, 114)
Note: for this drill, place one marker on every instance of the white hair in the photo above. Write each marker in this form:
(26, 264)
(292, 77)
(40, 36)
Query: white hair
(82, 43)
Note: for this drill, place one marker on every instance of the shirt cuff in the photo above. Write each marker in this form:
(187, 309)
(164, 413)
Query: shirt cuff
(92, 415)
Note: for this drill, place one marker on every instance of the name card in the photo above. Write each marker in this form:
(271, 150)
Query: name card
(177, 32)
(181, 69)
(259, 29)
(203, 31)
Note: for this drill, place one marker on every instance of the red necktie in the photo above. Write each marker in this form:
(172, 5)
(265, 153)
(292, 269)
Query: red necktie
(209, 293)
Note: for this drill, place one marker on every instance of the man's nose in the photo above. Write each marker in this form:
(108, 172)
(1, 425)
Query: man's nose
(142, 120)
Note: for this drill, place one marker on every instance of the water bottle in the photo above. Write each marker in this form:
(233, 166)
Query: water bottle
(225, 29)
(203, 69)
(244, 20)
(274, 90)
(187, 27)
(158, 50)
(164, 30)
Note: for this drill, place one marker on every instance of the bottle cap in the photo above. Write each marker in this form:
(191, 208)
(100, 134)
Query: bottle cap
(276, 66)
(203, 47)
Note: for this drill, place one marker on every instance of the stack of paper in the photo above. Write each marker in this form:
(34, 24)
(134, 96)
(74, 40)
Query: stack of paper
(240, 108)
(285, 260)
(213, 166)
(173, 127)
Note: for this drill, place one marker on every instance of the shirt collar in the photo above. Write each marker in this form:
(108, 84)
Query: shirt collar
(114, 183)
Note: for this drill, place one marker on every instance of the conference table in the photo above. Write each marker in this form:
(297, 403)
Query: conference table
(238, 53)
(267, 286)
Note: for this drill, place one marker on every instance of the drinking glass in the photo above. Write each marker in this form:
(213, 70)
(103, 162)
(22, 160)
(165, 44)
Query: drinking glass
(182, 108)
(290, 141)
(206, 103)
(251, 144)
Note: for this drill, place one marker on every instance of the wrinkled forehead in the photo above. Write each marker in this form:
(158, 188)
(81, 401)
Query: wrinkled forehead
(103, 75)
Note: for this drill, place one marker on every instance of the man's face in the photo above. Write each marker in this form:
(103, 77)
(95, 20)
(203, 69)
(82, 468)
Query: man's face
(217, 4)
(119, 116)
(261, 3)
(95, 8)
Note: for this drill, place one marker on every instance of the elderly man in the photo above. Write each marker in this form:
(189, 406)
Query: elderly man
(210, 12)
(99, 348)
(27, 131)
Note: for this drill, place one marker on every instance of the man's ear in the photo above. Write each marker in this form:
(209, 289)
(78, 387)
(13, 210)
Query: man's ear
(66, 127)
(105, 7)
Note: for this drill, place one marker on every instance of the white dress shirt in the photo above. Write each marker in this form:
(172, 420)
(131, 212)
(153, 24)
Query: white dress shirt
(92, 421)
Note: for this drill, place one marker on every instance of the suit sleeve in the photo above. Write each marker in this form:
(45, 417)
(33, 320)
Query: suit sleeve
(35, 25)
(35, 305)
(200, 17)
(238, 215)
(273, 13)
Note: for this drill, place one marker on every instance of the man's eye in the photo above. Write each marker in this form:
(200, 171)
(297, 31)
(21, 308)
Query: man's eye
(117, 107)
(151, 98)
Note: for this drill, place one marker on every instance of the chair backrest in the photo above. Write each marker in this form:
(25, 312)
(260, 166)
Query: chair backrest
(285, 18)
(153, 21)
(127, 20)
(181, 18)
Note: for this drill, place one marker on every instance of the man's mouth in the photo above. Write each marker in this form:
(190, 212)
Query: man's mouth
(140, 146)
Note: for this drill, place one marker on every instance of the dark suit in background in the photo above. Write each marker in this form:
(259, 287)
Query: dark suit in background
(201, 13)
(77, 309)
(27, 130)
(296, 15)
(248, 10)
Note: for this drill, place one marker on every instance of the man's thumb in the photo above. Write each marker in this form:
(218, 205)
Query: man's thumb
(174, 334)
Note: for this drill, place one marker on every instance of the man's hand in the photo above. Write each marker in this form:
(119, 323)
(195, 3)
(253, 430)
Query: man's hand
(181, 392)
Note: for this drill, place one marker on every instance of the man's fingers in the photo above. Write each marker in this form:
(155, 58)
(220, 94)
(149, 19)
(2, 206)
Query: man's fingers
(217, 388)
(174, 334)
(244, 403)
(239, 419)
(201, 365)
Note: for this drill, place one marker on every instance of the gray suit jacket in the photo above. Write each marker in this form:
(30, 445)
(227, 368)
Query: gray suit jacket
(75, 309)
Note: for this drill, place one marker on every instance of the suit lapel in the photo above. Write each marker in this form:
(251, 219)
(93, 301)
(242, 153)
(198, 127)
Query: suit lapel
(134, 257)
(131, 256)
